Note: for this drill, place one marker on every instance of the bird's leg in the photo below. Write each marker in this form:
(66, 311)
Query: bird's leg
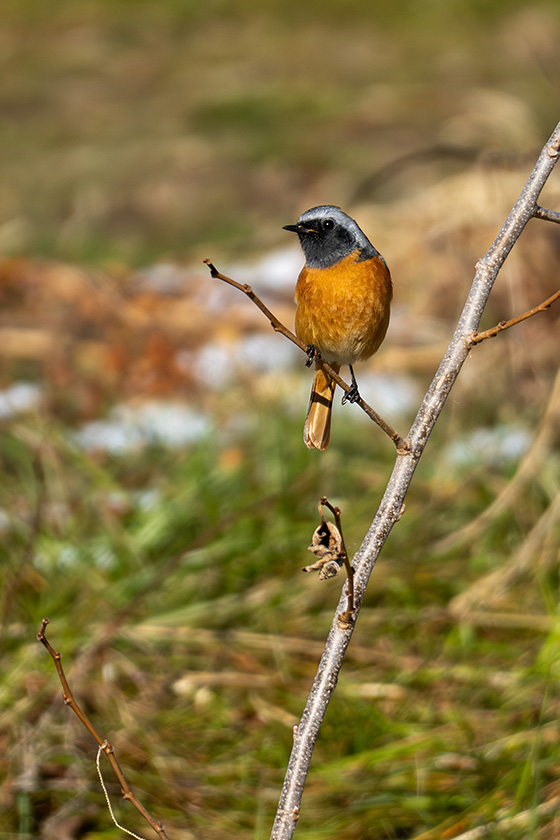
(312, 354)
(353, 395)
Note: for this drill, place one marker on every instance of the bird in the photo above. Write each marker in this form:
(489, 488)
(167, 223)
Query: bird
(343, 302)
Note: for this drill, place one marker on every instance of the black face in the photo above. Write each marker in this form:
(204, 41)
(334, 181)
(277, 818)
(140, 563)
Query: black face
(327, 238)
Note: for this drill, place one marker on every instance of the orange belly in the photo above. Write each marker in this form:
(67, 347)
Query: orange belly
(344, 310)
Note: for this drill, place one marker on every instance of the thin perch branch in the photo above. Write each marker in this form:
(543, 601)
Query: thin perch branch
(477, 337)
(278, 326)
(104, 745)
(392, 502)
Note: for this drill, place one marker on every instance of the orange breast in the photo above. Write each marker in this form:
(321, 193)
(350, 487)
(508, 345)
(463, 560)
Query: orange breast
(344, 310)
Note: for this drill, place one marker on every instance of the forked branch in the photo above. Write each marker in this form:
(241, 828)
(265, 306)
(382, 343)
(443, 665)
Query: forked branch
(102, 743)
(389, 511)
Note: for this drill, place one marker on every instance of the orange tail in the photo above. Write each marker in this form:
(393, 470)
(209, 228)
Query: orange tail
(317, 429)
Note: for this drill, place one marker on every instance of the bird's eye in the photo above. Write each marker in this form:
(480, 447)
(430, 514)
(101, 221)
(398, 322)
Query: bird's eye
(328, 224)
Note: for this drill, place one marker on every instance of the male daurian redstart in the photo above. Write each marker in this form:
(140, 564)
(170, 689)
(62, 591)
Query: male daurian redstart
(343, 298)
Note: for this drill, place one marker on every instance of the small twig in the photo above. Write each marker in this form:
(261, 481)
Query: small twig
(401, 443)
(278, 326)
(547, 215)
(103, 744)
(100, 751)
(477, 337)
(345, 617)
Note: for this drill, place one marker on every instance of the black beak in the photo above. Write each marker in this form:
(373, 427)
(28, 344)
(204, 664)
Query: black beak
(299, 228)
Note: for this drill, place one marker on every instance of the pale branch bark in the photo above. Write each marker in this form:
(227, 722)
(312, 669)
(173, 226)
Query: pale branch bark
(305, 734)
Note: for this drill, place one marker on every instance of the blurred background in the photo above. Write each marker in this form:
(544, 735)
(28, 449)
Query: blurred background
(157, 499)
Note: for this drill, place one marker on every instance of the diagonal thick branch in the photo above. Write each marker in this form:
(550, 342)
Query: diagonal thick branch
(389, 511)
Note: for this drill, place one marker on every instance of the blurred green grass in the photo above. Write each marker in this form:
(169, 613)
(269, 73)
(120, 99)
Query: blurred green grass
(141, 131)
(132, 129)
(191, 636)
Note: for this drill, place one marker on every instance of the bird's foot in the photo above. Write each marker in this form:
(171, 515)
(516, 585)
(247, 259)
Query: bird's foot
(312, 354)
(353, 395)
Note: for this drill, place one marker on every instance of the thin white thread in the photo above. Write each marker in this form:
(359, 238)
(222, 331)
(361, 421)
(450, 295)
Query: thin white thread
(99, 773)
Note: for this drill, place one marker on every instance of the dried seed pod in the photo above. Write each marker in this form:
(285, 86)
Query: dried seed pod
(326, 544)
